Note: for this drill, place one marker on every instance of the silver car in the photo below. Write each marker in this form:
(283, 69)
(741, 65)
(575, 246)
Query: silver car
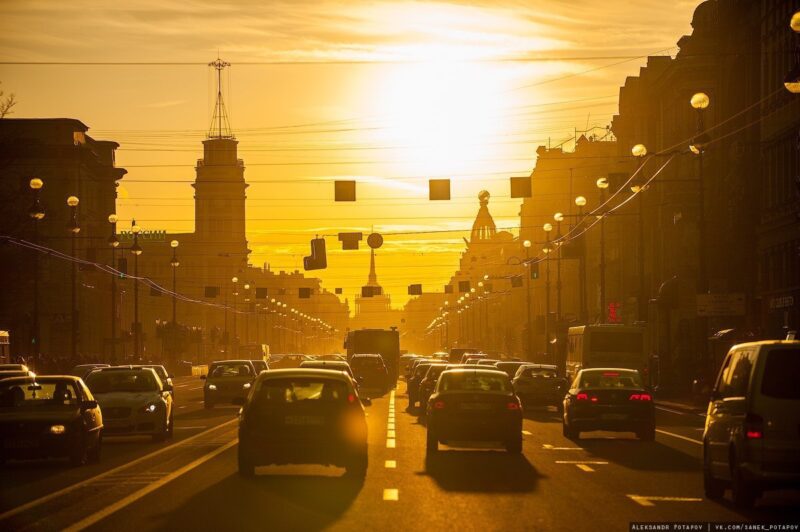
(751, 440)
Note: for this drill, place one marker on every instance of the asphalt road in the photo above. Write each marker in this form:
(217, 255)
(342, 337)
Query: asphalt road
(602, 482)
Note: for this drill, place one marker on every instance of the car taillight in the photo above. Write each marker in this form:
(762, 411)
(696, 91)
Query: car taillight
(582, 396)
(351, 398)
(753, 426)
(438, 405)
(513, 406)
(640, 397)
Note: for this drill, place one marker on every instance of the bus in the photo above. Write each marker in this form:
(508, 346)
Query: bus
(606, 346)
(384, 342)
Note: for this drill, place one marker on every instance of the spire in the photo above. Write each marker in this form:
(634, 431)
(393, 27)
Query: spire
(484, 227)
(373, 277)
(220, 127)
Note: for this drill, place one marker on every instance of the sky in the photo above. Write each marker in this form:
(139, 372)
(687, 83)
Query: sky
(390, 94)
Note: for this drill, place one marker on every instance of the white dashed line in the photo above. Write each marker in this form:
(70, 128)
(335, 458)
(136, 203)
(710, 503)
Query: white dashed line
(391, 494)
(527, 433)
(584, 467)
(581, 462)
(549, 447)
(390, 464)
(390, 443)
(646, 500)
(391, 434)
(692, 440)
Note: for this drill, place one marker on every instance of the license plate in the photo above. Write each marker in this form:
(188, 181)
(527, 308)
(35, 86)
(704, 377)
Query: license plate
(20, 444)
(475, 406)
(613, 417)
(303, 420)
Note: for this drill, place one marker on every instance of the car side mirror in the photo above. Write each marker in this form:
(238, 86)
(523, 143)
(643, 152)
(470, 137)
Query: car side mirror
(202, 377)
(88, 405)
(239, 401)
(366, 401)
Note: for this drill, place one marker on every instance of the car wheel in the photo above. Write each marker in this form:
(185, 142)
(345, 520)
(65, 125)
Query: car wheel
(431, 442)
(164, 434)
(714, 488)
(247, 467)
(80, 453)
(171, 429)
(514, 446)
(94, 454)
(744, 493)
(357, 468)
(568, 430)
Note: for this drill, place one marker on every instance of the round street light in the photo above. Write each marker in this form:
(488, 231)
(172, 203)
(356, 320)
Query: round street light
(580, 201)
(73, 201)
(795, 22)
(602, 183)
(526, 244)
(640, 150)
(700, 100)
(559, 217)
(547, 227)
(174, 244)
(234, 279)
(36, 183)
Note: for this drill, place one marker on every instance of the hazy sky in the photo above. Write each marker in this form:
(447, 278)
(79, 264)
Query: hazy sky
(388, 93)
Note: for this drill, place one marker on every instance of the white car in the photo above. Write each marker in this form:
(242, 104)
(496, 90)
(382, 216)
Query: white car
(133, 401)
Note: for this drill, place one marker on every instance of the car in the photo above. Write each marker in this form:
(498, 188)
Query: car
(134, 402)
(52, 416)
(303, 416)
(613, 399)
(289, 361)
(492, 362)
(751, 441)
(332, 358)
(413, 365)
(406, 360)
(473, 358)
(227, 381)
(510, 367)
(14, 367)
(457, 353)
(474, 405)
(82, 370)
(332, 365)
(539, 385)
(7, 374)
(428, 383)
(165, 377)
(260, 365)
(412, 384)
(370, 372)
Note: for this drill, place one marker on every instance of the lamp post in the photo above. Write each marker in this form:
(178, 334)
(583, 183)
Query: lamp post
(113, 243)
(580, 201)
(602, 185)
(234, 280)
(174, 263)
(699, 102)
(547, 227)
(246, 313)
(36, 212)
(792, 79)
(527, 245)
(446, 325)
(640, 151)
(74, 228)
(136, 249)
(558, 217)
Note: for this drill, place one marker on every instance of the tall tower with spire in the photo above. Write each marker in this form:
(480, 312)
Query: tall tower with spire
(220, 186)
(372, 280)
(373, 309)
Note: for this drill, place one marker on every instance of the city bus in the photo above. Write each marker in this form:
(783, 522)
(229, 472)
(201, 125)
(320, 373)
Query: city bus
(384, 342)
(606, 346)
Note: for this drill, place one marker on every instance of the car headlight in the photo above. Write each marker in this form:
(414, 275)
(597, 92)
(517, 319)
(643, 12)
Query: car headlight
(58, 429)
(212, 387)
(246, 386)
(150, 408)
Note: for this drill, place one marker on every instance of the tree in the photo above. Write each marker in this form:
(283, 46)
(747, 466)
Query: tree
(6, 103)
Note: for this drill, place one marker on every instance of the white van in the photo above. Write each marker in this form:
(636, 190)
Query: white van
(751, 440)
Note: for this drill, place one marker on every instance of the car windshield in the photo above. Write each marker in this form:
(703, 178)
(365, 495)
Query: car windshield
(230, 369)
(610, 379)
(301, 389)
(780, 374)
(468, 381)
(122, 381)
(38, 394)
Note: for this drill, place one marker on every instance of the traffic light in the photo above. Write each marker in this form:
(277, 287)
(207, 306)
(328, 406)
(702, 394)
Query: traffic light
(318, 260)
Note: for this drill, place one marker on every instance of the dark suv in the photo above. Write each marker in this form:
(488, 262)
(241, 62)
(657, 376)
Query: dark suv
(370, 372)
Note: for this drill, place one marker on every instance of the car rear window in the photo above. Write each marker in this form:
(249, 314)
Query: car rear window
(366, 362)
(218, 371)
(301, 389)
(610, 379)
(780, 374)
(475, 382)
(544, 373)
(121, 381)
(28, 394)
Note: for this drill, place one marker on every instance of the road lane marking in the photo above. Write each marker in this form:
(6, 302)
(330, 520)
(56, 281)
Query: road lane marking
(698, 442)
(390, 443)
(189, 428)
(527, 433)
(592, 462)
(41, 500)
(390, 426)
(182, 406)
(551, 448)
(390, 464)
(391, 494)
(391, 434)
(135, 496)
(647, 500)
(584, 467)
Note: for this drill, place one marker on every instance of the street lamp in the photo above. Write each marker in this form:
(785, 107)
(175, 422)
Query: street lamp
(640, 151)
(247, 313)
(113, 243)
(234, 280)
(136, 249)
(527, 245)
(548, 228)
(558, 217)
(700, 101)
(36, 212)
(792, 79)
(602, 185)
(580, 201)
(174, 263)
(74, 228)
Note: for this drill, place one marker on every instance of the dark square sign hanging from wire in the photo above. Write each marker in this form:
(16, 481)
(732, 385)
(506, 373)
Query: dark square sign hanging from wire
(345, 190)
(439, 189)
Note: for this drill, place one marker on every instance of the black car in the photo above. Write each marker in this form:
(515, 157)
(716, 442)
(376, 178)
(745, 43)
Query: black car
(428, 384)
(474, 405)
(612, 399)
(303, 416)
(371, 372)
(511, 367)
(49, 417)
(539, 385)
(412, 384)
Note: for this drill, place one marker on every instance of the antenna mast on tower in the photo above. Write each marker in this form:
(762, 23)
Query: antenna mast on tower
(220, 127)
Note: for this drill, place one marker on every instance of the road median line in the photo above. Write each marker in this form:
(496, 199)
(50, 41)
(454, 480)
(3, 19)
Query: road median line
(69, 489)
(692, 440)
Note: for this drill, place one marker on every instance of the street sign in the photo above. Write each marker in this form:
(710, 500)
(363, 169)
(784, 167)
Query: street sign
(720, 305)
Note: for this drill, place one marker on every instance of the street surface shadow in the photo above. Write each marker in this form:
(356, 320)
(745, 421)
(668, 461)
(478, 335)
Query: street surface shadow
(541, 414)
(266, 502)
(482, 471)
(627, 451)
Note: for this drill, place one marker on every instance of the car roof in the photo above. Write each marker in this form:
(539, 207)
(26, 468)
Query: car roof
(788, 343)
(332, 363)
(44, 378)
(234, 360)
(594, 370)
(304, 372)
(366, 355)
(547, 366)
(477, 369)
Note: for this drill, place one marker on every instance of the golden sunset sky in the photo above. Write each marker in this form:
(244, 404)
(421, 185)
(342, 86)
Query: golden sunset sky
(387, 93)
